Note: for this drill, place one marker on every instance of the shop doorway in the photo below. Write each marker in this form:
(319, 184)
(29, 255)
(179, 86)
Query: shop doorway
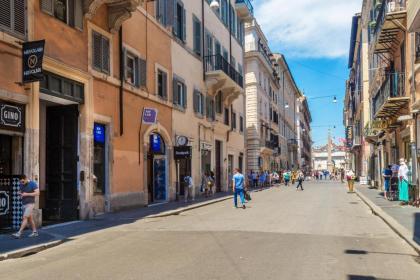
(218, 166)
(157, 170)
(61, 161)
(184, 170)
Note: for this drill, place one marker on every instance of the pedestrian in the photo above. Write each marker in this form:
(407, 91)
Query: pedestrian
(28, 190)
(387, 174)
(294, 176)
(342, 175)
(250, 178)
(286, 177)
(238, 188)
(189, 188)
(255, 179)
(300, 179)
(350, 180)
(209, 183)
(262, 179)
(403, 182)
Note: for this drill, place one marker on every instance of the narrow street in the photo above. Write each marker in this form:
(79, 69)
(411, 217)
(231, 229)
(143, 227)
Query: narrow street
(320, 233)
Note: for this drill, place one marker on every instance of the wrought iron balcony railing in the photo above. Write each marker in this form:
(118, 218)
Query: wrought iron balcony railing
(218, 63)
(387, 7)
(393, 86)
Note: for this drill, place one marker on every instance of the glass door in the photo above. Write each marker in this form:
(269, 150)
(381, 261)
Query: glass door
(159, 179)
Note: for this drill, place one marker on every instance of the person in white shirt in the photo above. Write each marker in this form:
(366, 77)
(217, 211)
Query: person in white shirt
(350, 180)
(403, 181)
(189, 188)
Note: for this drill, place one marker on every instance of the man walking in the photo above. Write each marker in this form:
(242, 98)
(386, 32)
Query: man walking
(300, 178)
(238, 188)
(387, 174)
(189, 188)
(28, 191)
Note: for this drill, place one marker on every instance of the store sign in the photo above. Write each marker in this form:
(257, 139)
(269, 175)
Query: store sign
(12, 116)
(349, 136)
(4, 203)
(99, 133)
(149, 115)
(155, 143)
(379, 125)
(181, 152)
(206, 146)
(32, 56)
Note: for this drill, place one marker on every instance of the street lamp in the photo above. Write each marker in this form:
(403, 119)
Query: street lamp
(335, 100)
(214, 4)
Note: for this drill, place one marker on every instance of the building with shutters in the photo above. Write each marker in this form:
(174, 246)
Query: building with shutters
(207, 87)
(80, 131)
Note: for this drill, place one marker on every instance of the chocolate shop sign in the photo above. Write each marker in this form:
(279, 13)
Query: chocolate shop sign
(12, 117)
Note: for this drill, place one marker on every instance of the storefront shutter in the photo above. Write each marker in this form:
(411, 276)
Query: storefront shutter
(47, 6)
(6, 13)
(175, 98)
(78, 14)
(142, 72)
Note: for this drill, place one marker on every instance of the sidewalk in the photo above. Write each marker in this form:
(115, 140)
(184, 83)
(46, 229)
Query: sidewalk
(56, 234)
(404, 220)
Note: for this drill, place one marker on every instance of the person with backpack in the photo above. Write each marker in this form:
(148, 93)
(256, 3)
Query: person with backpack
(300, 179)
(286, 177)
(238, 187)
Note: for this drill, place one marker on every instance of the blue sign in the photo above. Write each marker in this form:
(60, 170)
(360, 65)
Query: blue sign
(149, 115)
(99, 133)
(156, 143)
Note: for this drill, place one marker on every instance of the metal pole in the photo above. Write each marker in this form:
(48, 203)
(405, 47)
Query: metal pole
(177, 180)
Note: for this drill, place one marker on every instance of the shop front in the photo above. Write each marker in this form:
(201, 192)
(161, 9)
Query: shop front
(157, 167)
(12, 128)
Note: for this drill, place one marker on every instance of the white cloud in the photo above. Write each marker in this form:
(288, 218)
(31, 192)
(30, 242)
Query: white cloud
(308, 28)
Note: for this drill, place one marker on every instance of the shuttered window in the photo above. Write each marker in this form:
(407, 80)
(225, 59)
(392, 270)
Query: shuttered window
(241, 124)
(233, 122)
(100, 52)
(210, 108)
(199, 103)
(179, 21)
(162, 84)
(226, 121)
(13, 17)
(68, 11)
(219, 102)
(179, 93)
(197, 35)
(135, 70)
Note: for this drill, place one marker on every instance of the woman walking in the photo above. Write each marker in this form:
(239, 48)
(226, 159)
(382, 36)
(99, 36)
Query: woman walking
(300, 179)
(403, 181)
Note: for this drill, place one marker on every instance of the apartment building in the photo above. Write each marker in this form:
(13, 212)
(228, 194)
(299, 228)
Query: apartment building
(303, 129)
(79, 131)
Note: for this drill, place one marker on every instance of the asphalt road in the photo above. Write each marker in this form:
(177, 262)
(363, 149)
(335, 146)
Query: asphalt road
(319, 233)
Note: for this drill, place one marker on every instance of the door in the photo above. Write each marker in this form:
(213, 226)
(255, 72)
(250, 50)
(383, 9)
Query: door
(159, 179)
(218, 166)
(184, 170)
(230, 169)
(61, 163)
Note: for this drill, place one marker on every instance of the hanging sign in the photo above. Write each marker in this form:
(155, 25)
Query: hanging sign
(149, 115)
(32, 55)
(181, 152)
(99, 133)
(4, 203)
(12, 116)
(349, 136)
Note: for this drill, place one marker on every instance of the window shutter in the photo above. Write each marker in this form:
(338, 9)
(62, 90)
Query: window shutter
(170, 12)
(96, 51)
(105, 54)
(47, 6)
(6, 14)
(165, 85)
(161, 11)
(184, 25)
(175, 92)
(19, 13)
(175, 18)
(185, 96)
(124, 62)
(78, 14)
(142, 72)
(195, 101)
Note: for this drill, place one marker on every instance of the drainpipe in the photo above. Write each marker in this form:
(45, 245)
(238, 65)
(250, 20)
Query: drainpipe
(121, 96)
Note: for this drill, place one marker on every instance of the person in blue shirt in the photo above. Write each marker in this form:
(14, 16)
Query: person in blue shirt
(387, 174)
(238, 181)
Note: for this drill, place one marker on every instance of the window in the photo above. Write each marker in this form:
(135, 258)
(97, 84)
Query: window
(209, 44)
(162, 84)
(135, 70)
(226, 116)
(197, 35)
(233, 123)
(210, 108)
(241, 124)
(162, 11)
(100, 52)
(59, 86)
(224, 12)
(417, 47)
(198, 103)
(13, 17)
(68, 11)
(179, 28)
(225, 54)
(219, 103)
(179, 93)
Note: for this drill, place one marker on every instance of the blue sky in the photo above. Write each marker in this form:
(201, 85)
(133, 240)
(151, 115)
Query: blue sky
(314, 36)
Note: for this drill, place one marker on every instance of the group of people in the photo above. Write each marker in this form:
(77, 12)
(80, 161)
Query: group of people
(396, 175)
(267, 179)
(335, 175)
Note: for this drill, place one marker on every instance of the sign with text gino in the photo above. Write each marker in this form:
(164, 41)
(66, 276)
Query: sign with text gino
(32, 55)
(149, 115)
(349, 136)
(12, 116)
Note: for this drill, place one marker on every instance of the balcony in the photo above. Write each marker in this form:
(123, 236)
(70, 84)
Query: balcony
(391, 19)
(390, 98)
(374, 130)
(118, 10)
(292, 144)
(244, 9)
(222, 76)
